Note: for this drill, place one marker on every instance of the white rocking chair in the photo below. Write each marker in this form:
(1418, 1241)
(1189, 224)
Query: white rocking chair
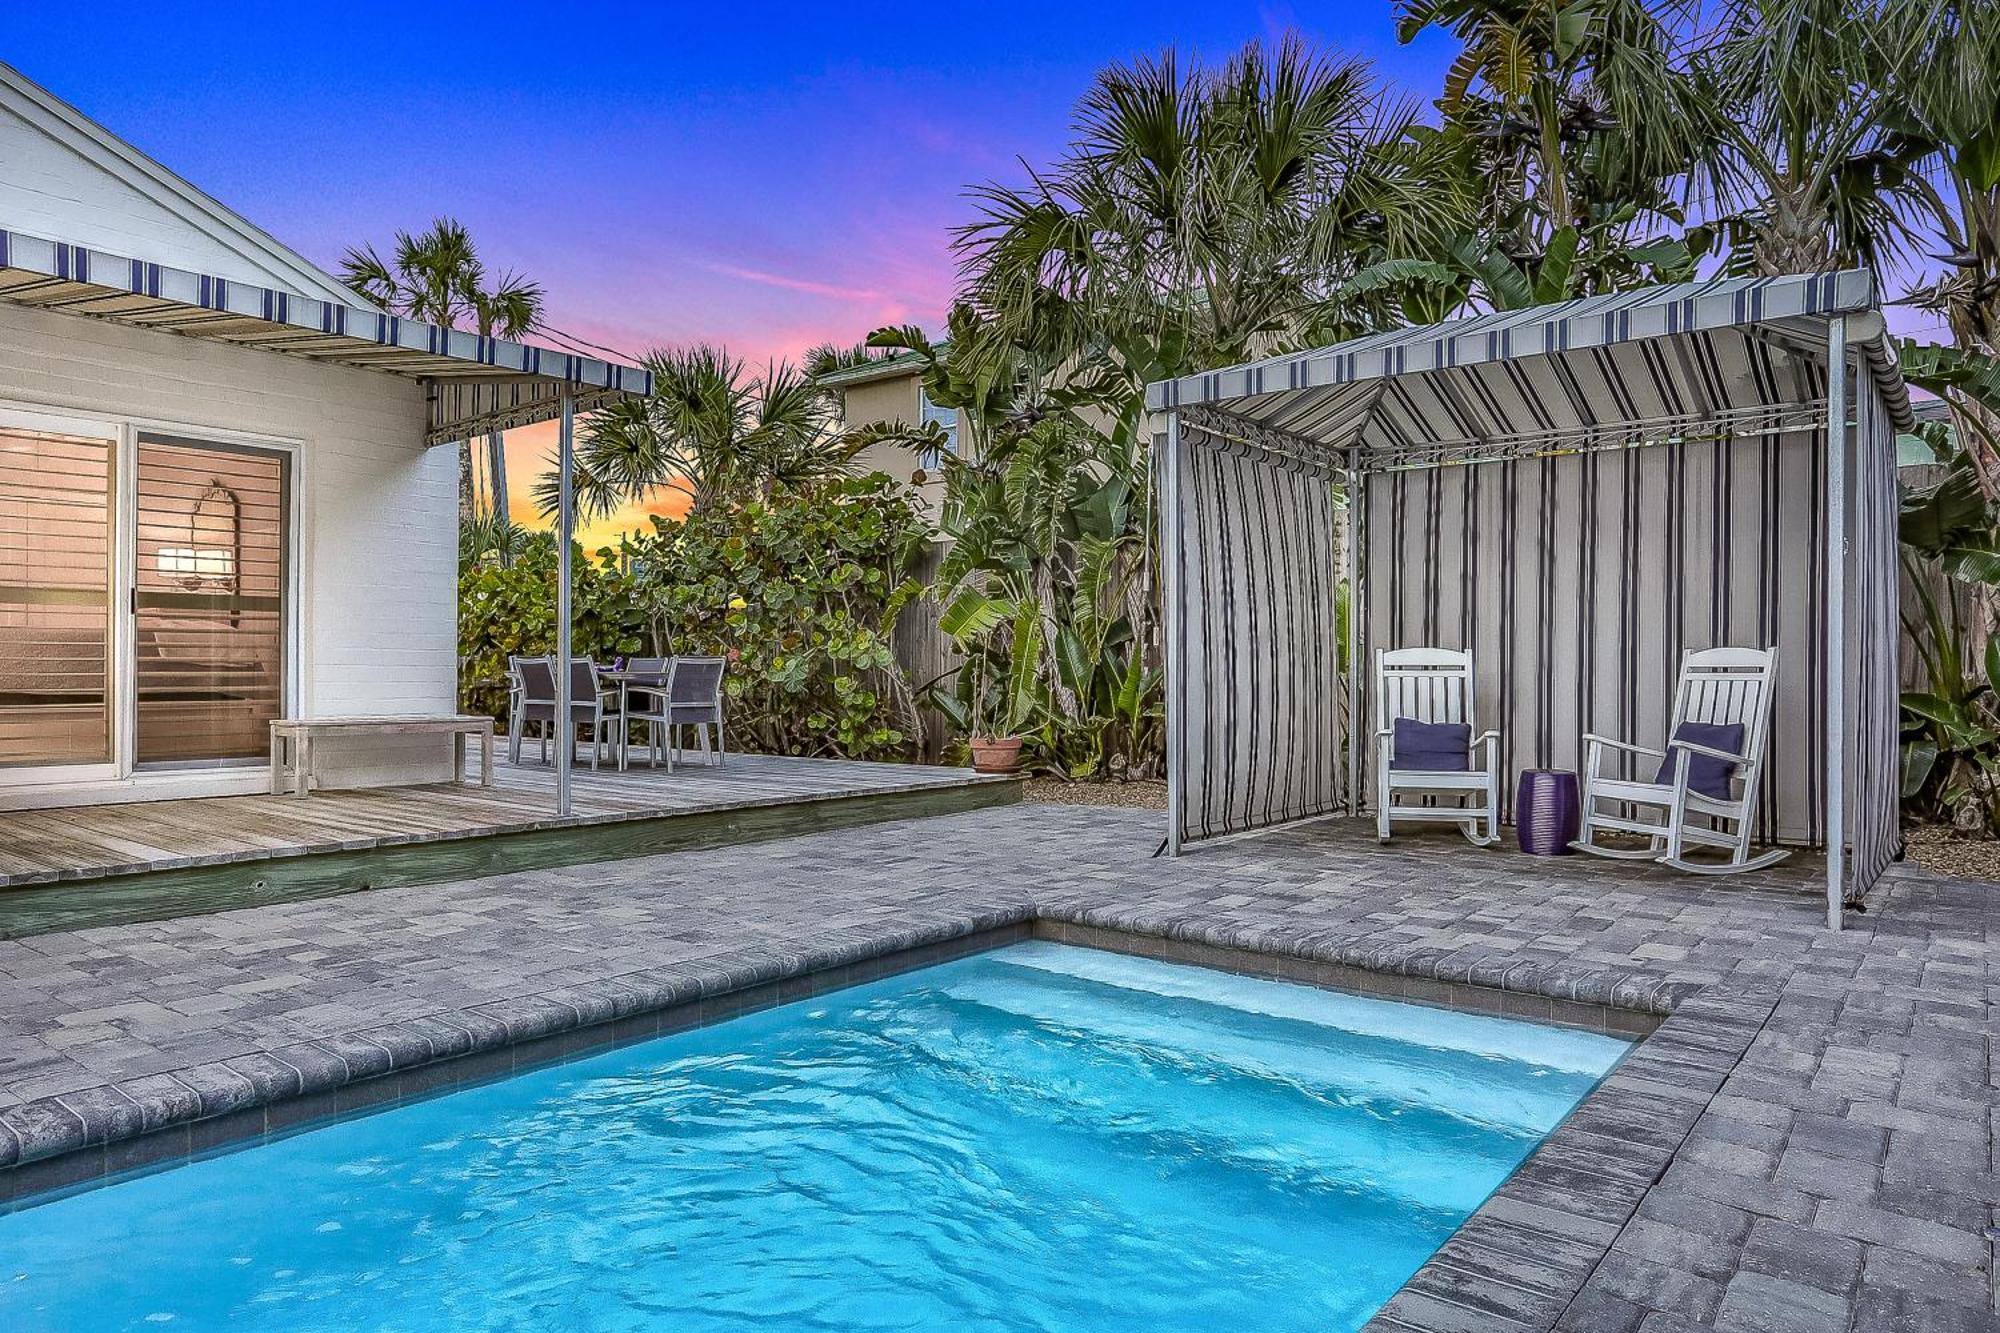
(1433, 685)
(1721, 687)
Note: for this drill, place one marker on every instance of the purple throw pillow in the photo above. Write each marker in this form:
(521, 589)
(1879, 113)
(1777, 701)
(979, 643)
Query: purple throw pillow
(1430, 747)
(1706, 775)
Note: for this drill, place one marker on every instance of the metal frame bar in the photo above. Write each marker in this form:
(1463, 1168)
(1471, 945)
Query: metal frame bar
(1167, 490)
(1653, 432)
(1357, 625)
(1836, 618)
(565, 533)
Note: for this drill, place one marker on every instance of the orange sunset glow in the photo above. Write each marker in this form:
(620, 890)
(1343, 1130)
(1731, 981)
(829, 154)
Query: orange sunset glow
(531, 452)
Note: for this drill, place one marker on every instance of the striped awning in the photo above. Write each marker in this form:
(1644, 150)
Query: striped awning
(474, 384)
(1744, 355)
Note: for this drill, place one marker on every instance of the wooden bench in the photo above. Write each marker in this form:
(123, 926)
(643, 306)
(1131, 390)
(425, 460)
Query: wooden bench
(295, 736)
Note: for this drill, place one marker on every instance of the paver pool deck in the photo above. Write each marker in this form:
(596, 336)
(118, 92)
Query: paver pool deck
(1826, 1102)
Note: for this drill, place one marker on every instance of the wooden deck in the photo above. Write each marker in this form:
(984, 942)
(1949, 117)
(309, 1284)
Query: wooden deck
(98, 865)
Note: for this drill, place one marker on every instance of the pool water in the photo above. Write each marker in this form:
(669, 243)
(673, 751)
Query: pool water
(1037, 1138)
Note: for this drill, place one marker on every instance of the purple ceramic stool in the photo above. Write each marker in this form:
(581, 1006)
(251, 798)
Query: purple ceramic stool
(1547, 814)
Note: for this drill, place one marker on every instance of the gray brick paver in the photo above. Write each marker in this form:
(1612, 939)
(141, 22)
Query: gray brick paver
(1839, 1175)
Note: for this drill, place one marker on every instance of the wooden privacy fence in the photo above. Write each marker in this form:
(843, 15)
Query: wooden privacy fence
(923, 651)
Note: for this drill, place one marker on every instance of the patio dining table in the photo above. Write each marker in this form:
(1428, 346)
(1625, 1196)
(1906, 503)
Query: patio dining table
(625, 678)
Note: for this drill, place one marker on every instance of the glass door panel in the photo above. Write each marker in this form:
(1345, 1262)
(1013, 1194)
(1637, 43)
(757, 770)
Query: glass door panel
(55, 599)
(208, 600)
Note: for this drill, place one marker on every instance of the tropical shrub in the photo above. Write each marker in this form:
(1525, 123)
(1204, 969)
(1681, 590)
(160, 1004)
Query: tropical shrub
(799, 589)
(509, 610)
(1951, 729)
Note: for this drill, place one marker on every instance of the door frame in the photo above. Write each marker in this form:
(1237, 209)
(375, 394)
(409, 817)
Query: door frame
(194, 437)
(123, 431)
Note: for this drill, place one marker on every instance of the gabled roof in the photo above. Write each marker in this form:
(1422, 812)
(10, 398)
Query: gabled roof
(274, 264)
(1748, 352)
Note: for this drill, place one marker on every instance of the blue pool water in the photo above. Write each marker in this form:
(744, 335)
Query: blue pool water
(1038, 1138)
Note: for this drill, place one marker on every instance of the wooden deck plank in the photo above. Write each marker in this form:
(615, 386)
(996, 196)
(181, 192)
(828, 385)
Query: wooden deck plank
(95, 842)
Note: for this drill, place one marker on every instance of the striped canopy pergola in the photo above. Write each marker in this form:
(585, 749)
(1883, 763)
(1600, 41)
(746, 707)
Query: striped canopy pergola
(1577, 493)
(474, 385)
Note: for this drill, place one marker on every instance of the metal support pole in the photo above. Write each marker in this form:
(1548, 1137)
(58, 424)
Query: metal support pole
(1173, 615)
(1357, 730)
(1836, 619)
(565, 533)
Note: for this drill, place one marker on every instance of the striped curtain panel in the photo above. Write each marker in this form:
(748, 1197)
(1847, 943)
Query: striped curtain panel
(1874, 634)
(1579, 581)
(1255, 708)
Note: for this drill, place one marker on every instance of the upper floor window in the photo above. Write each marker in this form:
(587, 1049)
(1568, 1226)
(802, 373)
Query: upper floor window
(946, 419)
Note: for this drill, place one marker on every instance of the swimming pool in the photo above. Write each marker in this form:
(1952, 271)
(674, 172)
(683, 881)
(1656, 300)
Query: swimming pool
(1038, 1138)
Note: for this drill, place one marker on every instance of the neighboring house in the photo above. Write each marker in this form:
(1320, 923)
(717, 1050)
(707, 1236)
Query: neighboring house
(220, 496)
(892, 389)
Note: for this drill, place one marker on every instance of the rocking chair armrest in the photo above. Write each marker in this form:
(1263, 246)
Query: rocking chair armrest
(1489, 738)
(1592, 738)
(1693, 747)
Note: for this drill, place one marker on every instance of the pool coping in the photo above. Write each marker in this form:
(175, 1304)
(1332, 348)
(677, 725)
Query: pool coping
(1518, 1263)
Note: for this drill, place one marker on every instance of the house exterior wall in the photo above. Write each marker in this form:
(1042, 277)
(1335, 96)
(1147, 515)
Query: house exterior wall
(375, 517)
(895, 398)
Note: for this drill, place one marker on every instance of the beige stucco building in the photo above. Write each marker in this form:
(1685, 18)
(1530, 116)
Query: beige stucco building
(892, 389)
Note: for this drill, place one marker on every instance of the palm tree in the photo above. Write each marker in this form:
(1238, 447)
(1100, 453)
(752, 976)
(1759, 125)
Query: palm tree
(1804, 173)
(1579, 104)
(1943, 109)
(437, 277)
(707, 432)
(1203, 212)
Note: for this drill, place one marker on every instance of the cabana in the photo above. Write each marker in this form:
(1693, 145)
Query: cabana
(1578, 493)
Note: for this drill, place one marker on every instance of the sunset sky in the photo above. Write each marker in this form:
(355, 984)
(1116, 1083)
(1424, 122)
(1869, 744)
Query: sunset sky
(766, 176)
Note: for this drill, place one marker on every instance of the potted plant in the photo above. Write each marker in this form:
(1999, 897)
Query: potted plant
(996, 695)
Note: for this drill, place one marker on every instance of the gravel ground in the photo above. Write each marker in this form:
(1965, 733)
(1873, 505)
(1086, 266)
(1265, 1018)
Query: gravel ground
(1934, 848)
(1143, 795)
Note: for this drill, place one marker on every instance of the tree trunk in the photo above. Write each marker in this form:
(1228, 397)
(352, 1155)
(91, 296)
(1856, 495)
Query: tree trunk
(466, 509)
(496, 480)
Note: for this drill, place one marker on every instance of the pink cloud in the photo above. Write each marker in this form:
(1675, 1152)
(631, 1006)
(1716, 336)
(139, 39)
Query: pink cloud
(789, 284)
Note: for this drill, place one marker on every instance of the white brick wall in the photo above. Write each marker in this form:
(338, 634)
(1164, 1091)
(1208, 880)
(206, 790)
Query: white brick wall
(377, 540)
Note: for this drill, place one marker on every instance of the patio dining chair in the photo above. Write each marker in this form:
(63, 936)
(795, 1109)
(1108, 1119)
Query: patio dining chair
(642, 674)
(1704, 791)
(535, 701)
(690, 697)
(1423, 749)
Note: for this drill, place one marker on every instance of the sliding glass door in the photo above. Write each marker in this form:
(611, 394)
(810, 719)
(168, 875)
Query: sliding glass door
(208, 600)
(57, 691)
(145, 582)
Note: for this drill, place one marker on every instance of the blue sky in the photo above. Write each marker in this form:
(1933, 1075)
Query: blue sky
(765, 175)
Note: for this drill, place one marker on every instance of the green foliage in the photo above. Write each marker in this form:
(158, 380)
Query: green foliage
(1950, 535)
(1046, 591)
(509, 611)
(710, 432)
(800, 589)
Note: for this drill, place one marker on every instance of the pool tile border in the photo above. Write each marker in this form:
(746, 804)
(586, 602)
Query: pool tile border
(58, 1145)
(1529, 1005)
(1516, 1265)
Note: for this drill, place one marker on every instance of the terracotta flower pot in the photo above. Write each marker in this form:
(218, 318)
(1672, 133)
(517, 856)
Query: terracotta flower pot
(996, 754)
